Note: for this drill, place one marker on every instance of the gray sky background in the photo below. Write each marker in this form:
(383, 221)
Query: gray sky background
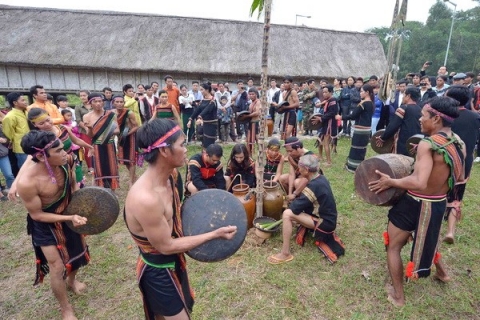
(348, 15)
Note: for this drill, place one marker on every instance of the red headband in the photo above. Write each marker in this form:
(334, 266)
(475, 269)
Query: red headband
(438, 113)
(160, 143)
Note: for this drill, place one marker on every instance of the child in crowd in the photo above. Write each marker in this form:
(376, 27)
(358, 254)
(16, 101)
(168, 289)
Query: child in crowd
(225, 116)
(68, 117)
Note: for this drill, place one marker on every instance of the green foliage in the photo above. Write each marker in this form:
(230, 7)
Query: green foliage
(73, 100)
(429, 41)
(257, 5)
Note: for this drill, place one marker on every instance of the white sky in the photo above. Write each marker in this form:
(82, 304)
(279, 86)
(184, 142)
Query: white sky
(350, 15)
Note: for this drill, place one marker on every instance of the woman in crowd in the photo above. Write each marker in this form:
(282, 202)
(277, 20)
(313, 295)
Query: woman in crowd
(240, 164)
(206, 115)
(337, 88)
(362, 115)
(186, 109)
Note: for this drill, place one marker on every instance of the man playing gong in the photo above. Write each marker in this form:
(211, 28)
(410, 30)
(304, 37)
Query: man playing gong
(152, 215)
(314, 209)
(439, 165)
(46, 185)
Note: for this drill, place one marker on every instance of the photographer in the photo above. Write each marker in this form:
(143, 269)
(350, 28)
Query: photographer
(426, 90)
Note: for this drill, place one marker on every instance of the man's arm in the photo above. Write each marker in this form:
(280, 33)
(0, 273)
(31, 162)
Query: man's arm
(295, 103)
(418, 180)
(88, 126)
(291, 178)
(8, 128)
(150, 214)
(279, 169)
(78, 116)
(28, 191)
(395, 124)
(55, 114)
(133, 123)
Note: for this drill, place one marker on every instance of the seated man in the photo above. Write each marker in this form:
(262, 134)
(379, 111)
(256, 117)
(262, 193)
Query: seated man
(205, 170)
(293, 182)
(316, 195)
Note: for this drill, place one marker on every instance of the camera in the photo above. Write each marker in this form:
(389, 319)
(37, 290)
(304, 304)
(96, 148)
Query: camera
(423, 84)
(428, 63)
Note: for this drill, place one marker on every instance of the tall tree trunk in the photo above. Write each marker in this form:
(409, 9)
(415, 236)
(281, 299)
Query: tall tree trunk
(264, 108)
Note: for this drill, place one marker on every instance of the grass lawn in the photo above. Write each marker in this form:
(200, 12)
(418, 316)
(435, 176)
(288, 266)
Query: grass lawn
(245, 286)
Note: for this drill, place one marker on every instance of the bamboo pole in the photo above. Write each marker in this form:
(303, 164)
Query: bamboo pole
(264, 109)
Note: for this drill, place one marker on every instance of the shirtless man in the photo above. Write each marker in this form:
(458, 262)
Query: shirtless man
(253, 125)
(290, 116)
(422, 207)
(292, 181)
(41, 186)
(152, 215)
(98, 123)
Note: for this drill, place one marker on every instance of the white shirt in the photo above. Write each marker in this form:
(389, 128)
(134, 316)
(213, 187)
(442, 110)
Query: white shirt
(270, 93)
(186, 101)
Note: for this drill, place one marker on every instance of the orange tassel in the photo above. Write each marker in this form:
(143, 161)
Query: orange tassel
(38, 261)
(68, 266)
(386, 239)
(409, 269)
(59, 247)
(317, 243)
(437, 257)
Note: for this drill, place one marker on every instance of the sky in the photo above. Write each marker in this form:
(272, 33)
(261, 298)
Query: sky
(346, 15)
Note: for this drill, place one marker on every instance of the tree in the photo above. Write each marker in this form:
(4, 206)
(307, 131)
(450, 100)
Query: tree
(266, 7)
(429, 41)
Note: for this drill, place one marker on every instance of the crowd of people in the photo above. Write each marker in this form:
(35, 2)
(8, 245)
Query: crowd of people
(49, 144)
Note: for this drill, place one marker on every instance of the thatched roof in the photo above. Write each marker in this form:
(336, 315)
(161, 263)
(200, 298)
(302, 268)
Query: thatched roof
(127, 41)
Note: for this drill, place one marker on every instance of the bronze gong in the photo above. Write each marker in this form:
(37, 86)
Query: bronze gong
(99, 205)
(209, 210)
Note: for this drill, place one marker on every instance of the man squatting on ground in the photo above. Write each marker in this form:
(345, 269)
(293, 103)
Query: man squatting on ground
(152, 215)
(439, 165)
(316, 196)
(46, 186)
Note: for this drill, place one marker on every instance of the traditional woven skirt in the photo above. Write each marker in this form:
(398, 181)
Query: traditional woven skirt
(358, 150)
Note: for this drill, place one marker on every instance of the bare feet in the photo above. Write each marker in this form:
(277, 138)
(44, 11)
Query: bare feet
(77, 287)
(448, 239)
(441, 276)
(392, 297)
(68, 314)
